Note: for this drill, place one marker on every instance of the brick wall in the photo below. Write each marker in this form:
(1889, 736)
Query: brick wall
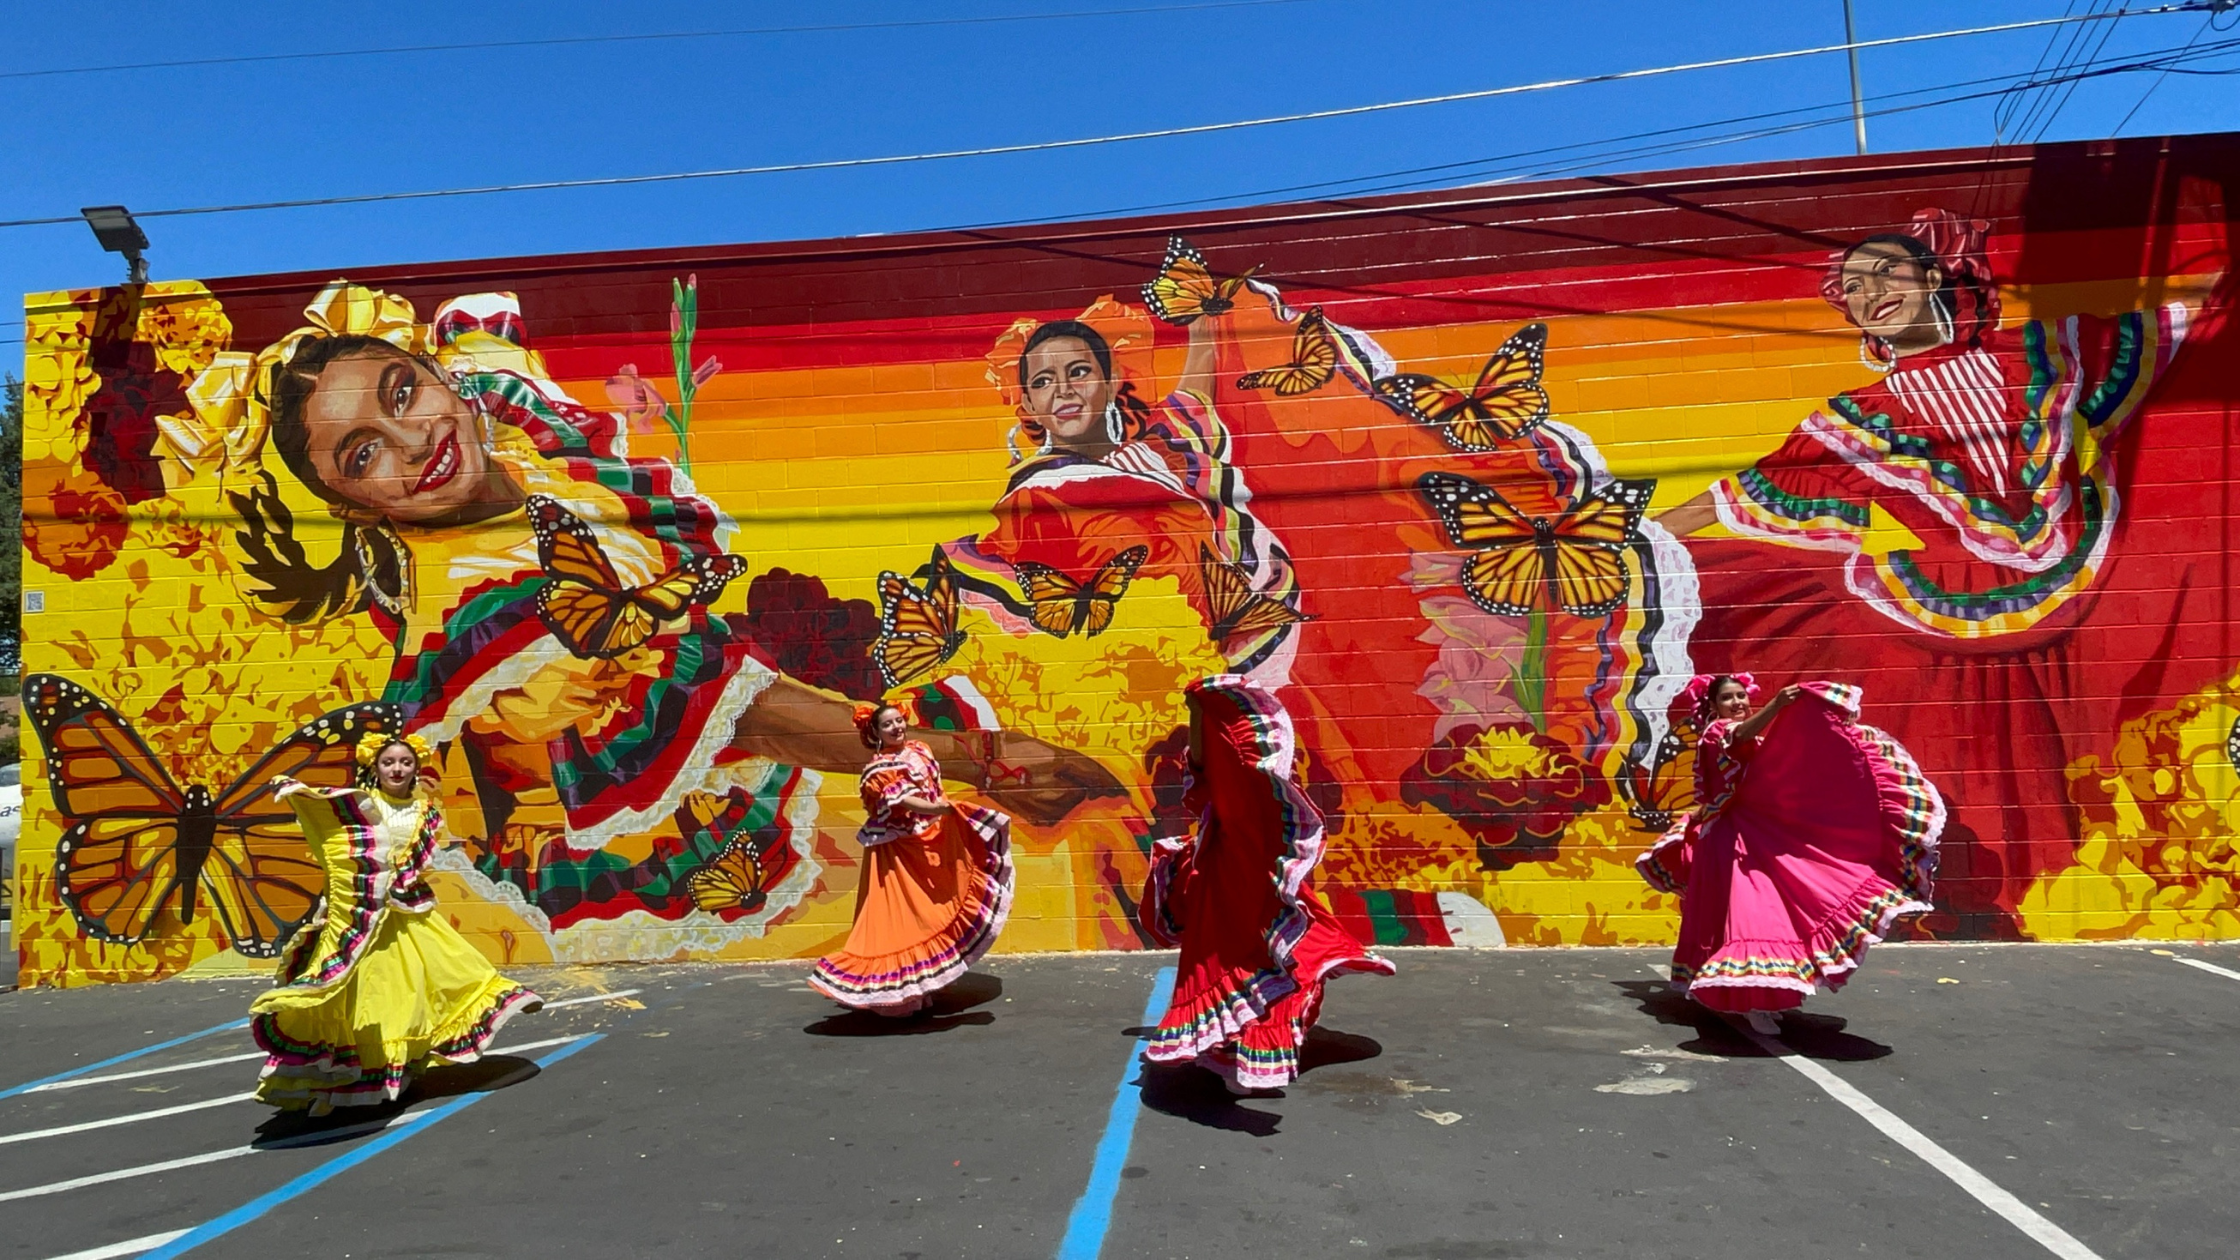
(1991, 486)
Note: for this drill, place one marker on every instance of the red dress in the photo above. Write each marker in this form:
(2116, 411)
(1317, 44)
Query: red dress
(2045, 602)
(1257, 941)
(1807, 842)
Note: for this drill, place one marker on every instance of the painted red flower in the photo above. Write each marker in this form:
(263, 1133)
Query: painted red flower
(822, 641)
(120, 416)
(1511, 787)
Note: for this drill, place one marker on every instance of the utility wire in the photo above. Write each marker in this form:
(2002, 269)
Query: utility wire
(2139, 104)
(1835, 113)
(2187, 6)
(573, 40)
(2106, 32)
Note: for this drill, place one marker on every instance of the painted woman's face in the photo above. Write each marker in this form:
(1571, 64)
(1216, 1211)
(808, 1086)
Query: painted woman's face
(890, 727)
(1067, 390)
(396, 769)
(1888, 293)
(1732, 702)
(390, 435)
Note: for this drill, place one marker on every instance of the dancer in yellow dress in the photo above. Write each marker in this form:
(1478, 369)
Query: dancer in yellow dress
(378, 989)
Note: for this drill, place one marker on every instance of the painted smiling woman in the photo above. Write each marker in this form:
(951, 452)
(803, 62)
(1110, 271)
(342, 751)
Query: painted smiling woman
(552, 601)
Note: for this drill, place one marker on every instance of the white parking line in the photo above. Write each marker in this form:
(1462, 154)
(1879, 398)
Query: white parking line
(2227, 972)
(211, 1157)
(2017, 1213)
(129, 1247)
(133, 1076)
(135, 1118)
(592, 997)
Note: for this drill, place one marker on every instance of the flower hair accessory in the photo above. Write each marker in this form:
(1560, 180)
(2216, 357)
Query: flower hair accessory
(369, 748)
(1698, 691)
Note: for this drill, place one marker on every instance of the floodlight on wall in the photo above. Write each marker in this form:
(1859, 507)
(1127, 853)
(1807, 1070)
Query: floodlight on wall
(120, 233)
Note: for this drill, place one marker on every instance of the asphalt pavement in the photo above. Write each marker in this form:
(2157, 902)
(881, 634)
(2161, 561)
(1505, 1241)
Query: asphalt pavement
(1986, 1102)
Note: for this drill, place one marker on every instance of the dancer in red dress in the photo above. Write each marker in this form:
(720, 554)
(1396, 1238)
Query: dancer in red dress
(1812, 834)
(1257, 941)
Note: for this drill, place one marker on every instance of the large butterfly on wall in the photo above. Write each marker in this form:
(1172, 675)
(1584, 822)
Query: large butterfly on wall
(1572, 562)
(1064, 605)
(1185, 289)
(1665, 788)
(1506, 403)
(917, 626)
(588, 606)
(1236, 610)
(1314, 360)
(136, 844)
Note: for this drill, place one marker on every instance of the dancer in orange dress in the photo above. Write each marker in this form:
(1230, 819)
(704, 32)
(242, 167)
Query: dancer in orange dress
(936, 883)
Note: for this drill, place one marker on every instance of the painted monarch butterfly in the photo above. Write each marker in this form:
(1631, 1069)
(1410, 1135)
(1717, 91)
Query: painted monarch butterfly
(1658, 793)
(587, 606)
(736, 880)
(1506, 403)
(1064, 605)
(1238, 611)
(917, 628)
(1185, 289)
(1574, 563)
(135, 843)
(1314, 360)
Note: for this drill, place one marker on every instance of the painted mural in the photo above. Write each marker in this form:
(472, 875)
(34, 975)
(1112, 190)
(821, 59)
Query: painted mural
(1475, 485)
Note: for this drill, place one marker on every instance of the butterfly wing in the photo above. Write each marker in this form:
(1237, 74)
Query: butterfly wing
(1055, 598)
(1587, 569)
(1314, 360)
(117, 873)
(1235, 609)
(1184, 289)
(265, 883)
(917, 628)
(1507, 572)
(1660, 792)
(583, 603)
(1101, 598)
(322, 753)
(96, 762)
(733, 881)
(261, 876)
(1508, 400)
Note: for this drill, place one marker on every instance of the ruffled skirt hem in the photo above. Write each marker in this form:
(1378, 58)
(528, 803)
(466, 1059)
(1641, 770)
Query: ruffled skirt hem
(303, 1075)
(1767, 975)
(901, 981)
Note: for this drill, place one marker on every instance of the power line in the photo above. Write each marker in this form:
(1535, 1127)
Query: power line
(2187, 6)
(2139, 104)
(2106, 33)
(1837, 113)
(573, 40)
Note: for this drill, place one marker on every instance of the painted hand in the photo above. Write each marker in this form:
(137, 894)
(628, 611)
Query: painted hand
(1035, 780)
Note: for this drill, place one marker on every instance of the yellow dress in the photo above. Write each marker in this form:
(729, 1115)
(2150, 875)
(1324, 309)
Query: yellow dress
(379, 988)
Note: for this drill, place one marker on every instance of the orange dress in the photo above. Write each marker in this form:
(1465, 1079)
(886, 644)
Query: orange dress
(933, 896)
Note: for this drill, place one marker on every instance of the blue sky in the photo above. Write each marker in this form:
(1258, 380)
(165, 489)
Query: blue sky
(190, 136)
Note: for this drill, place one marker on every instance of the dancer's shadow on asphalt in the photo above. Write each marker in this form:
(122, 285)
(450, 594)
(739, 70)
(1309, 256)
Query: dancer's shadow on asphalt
(1189, 1092)
(1812, 1036)
(951, 1008)
(289, 1129)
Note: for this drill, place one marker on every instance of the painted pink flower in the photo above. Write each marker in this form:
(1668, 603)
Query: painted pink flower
(640, 403)
(706, 371)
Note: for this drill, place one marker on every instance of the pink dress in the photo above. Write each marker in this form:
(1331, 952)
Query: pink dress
(1807, 842)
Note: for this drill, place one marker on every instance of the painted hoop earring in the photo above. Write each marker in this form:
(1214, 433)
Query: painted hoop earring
(1115, 425)
(1945, 331)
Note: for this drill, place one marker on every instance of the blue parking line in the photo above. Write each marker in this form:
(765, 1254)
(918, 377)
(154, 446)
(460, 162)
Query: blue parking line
(335, 1167)
(27, 1086)
(1092, 1212)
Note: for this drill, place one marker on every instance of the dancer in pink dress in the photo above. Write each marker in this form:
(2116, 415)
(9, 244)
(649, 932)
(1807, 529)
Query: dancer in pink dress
(1812, 834)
